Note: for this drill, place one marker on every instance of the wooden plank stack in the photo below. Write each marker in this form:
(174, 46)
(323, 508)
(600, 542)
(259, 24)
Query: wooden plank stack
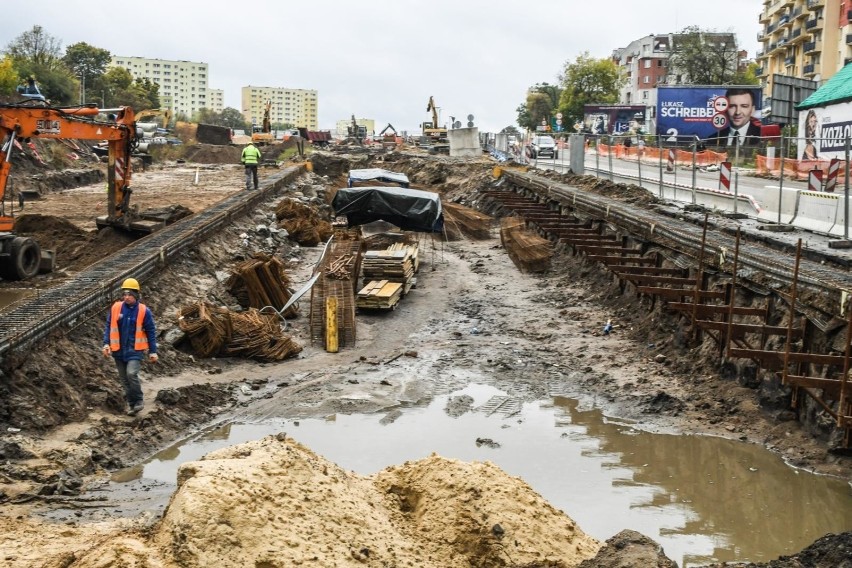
(528, 251)
(397, 263)
(379, 295)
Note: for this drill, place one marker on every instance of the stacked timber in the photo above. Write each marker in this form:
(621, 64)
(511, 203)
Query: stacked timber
(397, 263)
(379, 295)
(528, 251)
(461, 222)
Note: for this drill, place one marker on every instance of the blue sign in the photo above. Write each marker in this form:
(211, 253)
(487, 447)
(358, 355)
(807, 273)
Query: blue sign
(705, 112)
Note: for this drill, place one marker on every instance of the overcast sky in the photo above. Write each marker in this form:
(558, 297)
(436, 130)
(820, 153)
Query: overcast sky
(381, 59)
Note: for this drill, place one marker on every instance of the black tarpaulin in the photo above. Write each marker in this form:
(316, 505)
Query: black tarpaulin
(408, 209)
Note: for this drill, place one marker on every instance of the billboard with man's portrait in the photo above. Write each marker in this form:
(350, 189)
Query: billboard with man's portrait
(684, 112)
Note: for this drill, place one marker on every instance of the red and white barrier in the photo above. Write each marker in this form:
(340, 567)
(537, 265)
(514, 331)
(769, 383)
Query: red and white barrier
(815, 180)
(671, 164)
(725, 176)
(831, 179)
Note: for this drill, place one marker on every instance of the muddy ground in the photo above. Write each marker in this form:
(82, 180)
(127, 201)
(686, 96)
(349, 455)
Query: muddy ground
(62, 411)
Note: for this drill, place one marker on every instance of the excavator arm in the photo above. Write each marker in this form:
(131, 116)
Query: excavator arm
(23, 122)
(431, 106)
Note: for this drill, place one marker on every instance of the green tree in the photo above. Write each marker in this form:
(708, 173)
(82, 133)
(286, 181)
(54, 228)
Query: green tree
(87, 62)
(747, 75)
(118, 88)
(541, 103)
(703, 58)
(230, 117)
(36, 47)
(587, 81)
(233, 118)
(35, 53)
(9, 79)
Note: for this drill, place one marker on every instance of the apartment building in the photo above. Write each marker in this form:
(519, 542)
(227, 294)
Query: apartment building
(297, 107)
(216, 100)
(644, 63)
(806, 39)
(183, 84)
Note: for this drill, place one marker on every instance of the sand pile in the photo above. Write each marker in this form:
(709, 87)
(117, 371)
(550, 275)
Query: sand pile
(274, 503)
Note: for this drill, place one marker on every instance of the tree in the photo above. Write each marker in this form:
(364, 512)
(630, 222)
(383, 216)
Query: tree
(587, 81)
(542, 100)
(36, 47)
(9, 79)
(230, 117)
(703, 58)
(36, 54)
(233, 118)
(86, 62)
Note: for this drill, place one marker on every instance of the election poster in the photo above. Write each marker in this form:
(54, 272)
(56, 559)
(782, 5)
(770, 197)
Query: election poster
(719, 115)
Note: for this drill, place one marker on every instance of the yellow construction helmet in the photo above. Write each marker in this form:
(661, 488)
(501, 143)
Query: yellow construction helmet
(130, 284)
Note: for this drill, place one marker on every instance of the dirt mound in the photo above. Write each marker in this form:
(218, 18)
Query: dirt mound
(210, 154)
(274, 502)
(75, 248)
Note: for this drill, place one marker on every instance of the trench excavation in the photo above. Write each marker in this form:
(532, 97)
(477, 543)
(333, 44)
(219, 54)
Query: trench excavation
(751, 301)
(730, 289)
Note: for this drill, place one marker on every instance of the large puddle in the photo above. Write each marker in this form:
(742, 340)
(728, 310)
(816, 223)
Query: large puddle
(703, 499)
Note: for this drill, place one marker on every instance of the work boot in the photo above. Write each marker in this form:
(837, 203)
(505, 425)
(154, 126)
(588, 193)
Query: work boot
(136, 408)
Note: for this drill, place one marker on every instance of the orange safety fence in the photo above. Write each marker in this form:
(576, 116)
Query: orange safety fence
(794, 169)
(651, 154)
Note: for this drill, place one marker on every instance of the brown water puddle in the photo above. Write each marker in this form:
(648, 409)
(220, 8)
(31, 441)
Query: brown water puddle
(704, 499)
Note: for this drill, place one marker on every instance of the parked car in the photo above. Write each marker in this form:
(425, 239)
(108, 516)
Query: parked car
(544, 146)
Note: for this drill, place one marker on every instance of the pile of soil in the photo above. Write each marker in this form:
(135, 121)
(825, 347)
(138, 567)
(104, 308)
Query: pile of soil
(212, 154)
(273, 502)
(75, 248)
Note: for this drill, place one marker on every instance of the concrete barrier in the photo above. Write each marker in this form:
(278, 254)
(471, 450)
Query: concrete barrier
(840, 221)
(817, 211)
(770, 209)
(464, 142)
(724, 201)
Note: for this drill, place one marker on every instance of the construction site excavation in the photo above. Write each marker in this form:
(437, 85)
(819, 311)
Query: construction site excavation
(386, 357)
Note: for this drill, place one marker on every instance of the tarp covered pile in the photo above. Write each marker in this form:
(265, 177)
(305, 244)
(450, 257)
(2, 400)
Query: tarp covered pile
(408, 209)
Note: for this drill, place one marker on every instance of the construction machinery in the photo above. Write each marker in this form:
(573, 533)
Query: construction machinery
(356, 132)
(21, 257)
(431, 130)
(164, 114)
(388, 136)
(262, 135)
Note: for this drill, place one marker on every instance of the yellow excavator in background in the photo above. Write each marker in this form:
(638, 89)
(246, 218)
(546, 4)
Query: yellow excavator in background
(262, 134)
(165, 114)
(432, 130)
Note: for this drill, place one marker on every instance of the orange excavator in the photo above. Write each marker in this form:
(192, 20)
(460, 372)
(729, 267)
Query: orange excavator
(20, 257)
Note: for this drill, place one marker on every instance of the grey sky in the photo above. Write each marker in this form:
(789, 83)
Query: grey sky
(382, 59)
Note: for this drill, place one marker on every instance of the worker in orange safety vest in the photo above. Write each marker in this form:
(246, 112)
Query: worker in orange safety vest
(130, 333)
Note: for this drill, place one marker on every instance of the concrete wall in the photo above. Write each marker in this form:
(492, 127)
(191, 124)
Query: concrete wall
(464, 142)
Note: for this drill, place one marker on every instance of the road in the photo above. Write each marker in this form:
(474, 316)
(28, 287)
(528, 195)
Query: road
(647, 174)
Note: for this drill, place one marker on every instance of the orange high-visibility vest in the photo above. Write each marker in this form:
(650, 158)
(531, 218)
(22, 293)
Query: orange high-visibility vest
(141, 343)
